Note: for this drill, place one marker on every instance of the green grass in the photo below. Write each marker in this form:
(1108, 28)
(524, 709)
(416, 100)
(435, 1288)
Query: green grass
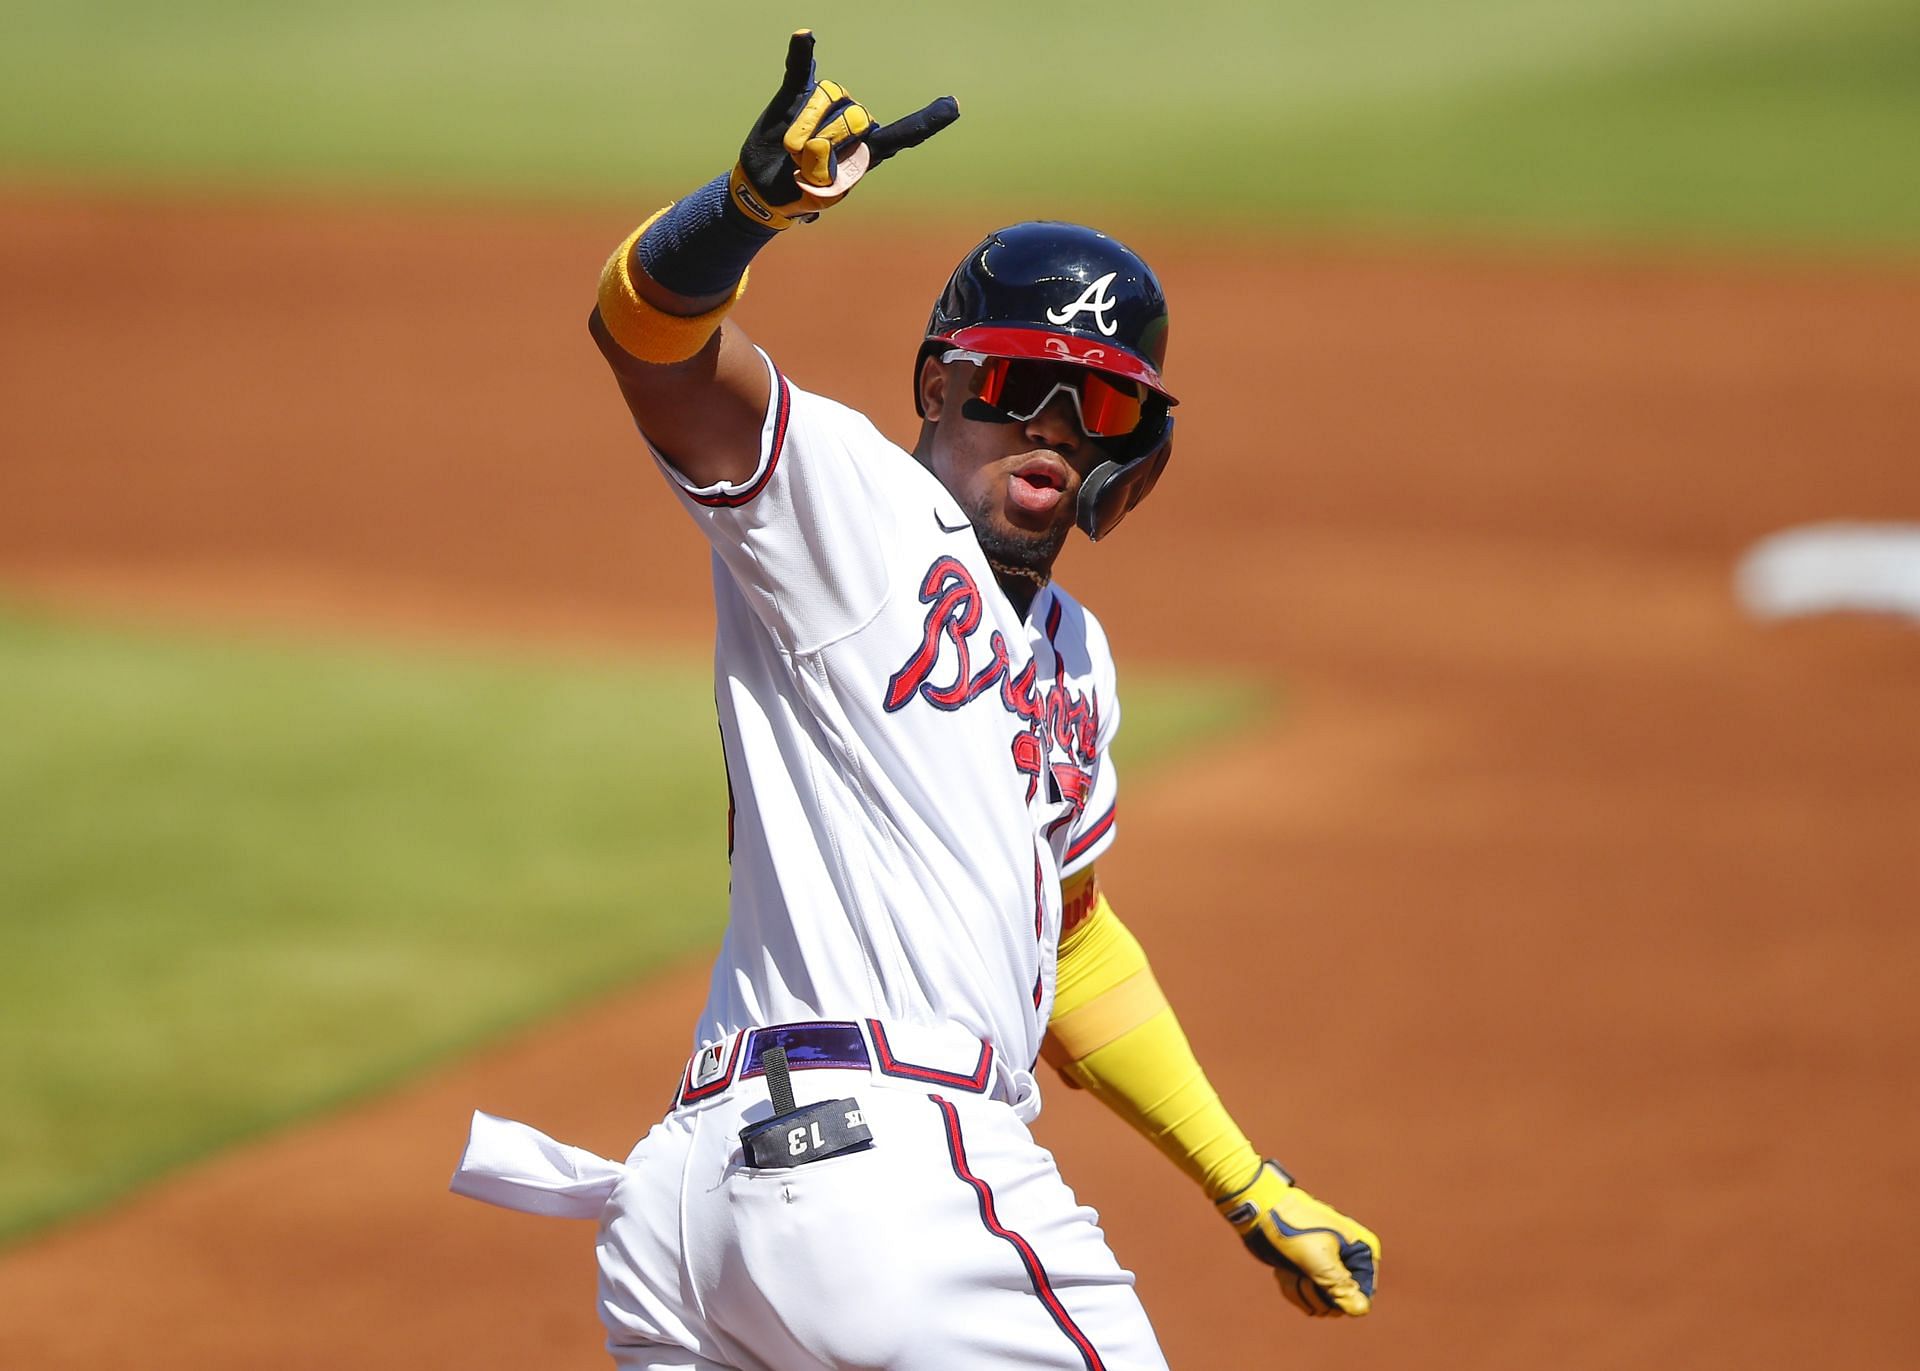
(244, 881)
(240, 881)
(1776, 120)
(1800, 134)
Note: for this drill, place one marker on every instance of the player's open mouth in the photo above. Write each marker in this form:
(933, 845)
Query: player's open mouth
(1037, 486)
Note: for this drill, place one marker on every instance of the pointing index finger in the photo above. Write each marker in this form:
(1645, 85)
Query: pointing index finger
(799, 73)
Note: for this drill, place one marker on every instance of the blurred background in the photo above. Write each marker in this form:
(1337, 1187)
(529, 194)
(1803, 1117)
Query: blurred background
(1522, 891)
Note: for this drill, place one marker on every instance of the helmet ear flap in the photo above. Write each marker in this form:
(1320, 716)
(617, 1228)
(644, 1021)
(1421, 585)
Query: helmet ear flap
(1112, 489)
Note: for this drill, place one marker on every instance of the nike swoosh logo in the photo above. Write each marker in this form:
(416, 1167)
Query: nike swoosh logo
(962, 527)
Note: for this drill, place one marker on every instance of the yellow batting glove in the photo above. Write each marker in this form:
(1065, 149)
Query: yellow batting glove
(1327, 1263)
(829, 121)
(806, 131)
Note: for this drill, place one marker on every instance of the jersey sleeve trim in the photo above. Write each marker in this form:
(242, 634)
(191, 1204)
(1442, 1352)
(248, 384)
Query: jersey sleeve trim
(732, 495)
(1092, 838)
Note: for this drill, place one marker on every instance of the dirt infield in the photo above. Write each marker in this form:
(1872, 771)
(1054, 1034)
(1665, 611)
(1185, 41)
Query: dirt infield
(1563, 927)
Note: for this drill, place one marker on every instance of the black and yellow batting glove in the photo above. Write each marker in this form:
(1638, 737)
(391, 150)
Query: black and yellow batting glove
(829, 121)
(1326, 1263)
(803, 134)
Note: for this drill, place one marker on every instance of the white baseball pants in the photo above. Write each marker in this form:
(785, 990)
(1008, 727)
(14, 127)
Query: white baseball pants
(952, 1244)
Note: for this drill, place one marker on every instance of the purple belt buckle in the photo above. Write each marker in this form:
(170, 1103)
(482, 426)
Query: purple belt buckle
(808, 1046)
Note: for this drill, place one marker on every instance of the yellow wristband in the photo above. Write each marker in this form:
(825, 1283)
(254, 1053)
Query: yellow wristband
(643, 330)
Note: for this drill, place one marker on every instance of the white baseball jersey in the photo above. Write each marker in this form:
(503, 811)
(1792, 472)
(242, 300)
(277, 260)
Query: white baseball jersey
(913, 768)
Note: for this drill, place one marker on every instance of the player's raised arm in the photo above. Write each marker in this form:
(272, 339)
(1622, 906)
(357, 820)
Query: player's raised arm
(1114, 1034)
(693, 381)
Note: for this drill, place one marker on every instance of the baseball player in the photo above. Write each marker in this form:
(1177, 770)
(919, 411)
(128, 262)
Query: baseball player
(918, 726)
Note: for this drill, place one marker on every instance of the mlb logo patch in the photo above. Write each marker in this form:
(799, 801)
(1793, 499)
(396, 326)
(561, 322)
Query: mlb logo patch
(710, 1064)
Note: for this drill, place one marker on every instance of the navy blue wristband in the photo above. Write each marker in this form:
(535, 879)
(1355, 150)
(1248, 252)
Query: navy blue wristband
(702, 245)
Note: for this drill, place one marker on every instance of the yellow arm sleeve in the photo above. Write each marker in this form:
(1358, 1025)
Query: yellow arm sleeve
(1114, 1033)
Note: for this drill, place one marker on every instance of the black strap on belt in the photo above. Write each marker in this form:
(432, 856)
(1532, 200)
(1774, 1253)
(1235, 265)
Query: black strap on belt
(794, 1137)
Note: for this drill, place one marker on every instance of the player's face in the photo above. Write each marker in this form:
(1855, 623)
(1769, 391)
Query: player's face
(1017, 480)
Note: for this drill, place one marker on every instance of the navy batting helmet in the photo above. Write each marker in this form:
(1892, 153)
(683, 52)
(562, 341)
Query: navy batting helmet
(1067, 293)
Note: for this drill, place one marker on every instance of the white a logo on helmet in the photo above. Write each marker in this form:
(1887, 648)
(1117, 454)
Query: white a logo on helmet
(1095, 299)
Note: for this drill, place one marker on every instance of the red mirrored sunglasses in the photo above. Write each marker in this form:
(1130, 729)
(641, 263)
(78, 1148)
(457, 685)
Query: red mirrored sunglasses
(1019, 388)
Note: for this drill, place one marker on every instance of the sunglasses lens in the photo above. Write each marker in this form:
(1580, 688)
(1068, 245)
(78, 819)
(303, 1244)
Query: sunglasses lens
(1109, 407)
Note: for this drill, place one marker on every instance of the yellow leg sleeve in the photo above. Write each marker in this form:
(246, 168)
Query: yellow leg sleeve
(1114, 1033)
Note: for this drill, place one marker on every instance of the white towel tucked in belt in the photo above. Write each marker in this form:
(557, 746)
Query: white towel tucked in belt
(517, 1167)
